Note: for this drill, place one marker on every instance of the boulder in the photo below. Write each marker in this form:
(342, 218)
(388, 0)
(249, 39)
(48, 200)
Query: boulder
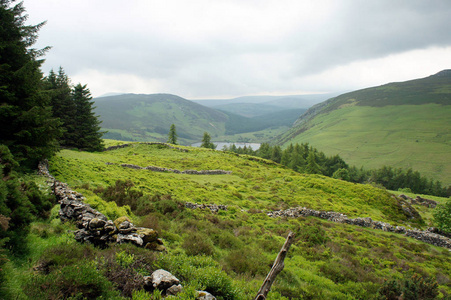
(174, 290)
(163, 280)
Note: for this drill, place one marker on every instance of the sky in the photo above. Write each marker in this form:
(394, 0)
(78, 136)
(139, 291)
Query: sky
(214, 49)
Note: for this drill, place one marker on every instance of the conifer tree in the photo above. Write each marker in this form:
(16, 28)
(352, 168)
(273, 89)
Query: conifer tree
(87, 135)
(206, 142)
(172, 136)
(27, 126)
(63, 106)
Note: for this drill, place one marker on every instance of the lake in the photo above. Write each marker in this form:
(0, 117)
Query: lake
(220, 145)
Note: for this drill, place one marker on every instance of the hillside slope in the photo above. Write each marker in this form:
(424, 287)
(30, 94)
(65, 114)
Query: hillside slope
(148, 117)
(405, 124)
(229, 252)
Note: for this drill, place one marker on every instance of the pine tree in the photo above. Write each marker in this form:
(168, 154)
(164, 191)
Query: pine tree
(63, 106)
(27, 126)
(172, 136)
(206, 142)
(87, 135)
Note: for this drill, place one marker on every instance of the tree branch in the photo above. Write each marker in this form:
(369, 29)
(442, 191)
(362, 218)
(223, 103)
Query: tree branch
(276, 268)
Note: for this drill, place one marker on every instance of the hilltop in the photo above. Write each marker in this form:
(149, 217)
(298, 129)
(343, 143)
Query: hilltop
(402, 124)
(141, 117)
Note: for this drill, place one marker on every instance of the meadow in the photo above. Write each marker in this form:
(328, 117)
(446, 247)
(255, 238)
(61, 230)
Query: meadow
(230, 252)
(403, 136)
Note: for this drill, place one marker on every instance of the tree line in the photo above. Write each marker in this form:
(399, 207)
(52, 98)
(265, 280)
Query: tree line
(38, 114)
(307, 159)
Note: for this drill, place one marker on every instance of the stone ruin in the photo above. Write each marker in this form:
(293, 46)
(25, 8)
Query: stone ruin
(429, 236)
(94, 227)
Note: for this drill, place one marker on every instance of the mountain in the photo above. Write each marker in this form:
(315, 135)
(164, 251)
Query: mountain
(148, 117)
(402, 124)
(139, 117)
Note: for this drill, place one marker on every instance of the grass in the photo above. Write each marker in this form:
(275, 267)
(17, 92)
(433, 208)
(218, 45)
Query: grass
(228, 253)
(406, 136)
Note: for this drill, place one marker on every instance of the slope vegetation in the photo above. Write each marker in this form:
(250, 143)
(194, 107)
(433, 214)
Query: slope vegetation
(228, 253)
(133, 117)
(404, 124)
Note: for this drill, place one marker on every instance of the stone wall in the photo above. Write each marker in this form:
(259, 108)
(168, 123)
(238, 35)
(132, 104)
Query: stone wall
(161, 169)
(427, 236)
(93, 226)
(146, 143)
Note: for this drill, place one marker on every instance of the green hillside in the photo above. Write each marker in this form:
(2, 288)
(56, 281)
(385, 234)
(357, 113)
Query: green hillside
(404, 124)
(229, 253)
(148, 117)
(133, 117)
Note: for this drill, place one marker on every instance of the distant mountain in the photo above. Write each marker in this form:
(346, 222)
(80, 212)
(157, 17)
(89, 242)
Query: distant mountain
(140, 117)
(403, 124)
(148, 117)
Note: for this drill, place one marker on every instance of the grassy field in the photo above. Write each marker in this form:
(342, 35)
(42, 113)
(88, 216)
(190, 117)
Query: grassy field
(406, 136)
(227, 253)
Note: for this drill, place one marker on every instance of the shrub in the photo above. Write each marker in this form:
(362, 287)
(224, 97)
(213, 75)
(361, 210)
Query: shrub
(442, 216)
(81, 280)
(414, 287)
(247, 261)
(197, 244)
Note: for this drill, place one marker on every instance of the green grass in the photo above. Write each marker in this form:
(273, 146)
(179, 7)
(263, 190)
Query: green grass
(228, 253)
(406, 136)
(251, 184)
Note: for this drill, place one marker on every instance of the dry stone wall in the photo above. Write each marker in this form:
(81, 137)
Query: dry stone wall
(427, 236)
(146, 143)
(160, 169)
(94, 227)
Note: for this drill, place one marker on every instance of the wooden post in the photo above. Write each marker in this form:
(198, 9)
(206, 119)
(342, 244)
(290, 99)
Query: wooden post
(276, 268)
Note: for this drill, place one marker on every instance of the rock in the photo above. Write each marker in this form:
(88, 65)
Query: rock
(96, 223)
(163, 280)
(134, 238)
(174, 290)
(147, 235)
(203, 295)
(119, 220)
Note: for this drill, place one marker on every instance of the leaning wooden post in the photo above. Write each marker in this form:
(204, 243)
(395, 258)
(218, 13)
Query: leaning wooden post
(276, 268)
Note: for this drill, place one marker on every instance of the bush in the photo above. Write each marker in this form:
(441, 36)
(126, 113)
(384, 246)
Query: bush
(414, 287)
(198, 244)
(79, 281)
(442, 217)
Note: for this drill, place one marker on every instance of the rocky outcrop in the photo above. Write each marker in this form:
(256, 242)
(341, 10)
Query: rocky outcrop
(190, 172)
(420, 201)
(425, 236)
(213, 207)
(169, 285)
(94, 227)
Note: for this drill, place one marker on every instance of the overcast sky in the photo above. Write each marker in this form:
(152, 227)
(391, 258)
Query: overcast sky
(227, 48)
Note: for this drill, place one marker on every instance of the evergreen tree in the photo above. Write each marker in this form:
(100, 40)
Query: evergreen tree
(206, 142)
(63, 106)
(87, 133)
(172, 136)
(27, 126)
(276, 154)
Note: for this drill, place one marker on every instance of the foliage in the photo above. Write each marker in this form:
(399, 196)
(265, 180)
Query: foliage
(172, 135)
(206, 142)
(414, 287)
(306, 159)
(26, 123)
(442, 217)
(74, 108)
